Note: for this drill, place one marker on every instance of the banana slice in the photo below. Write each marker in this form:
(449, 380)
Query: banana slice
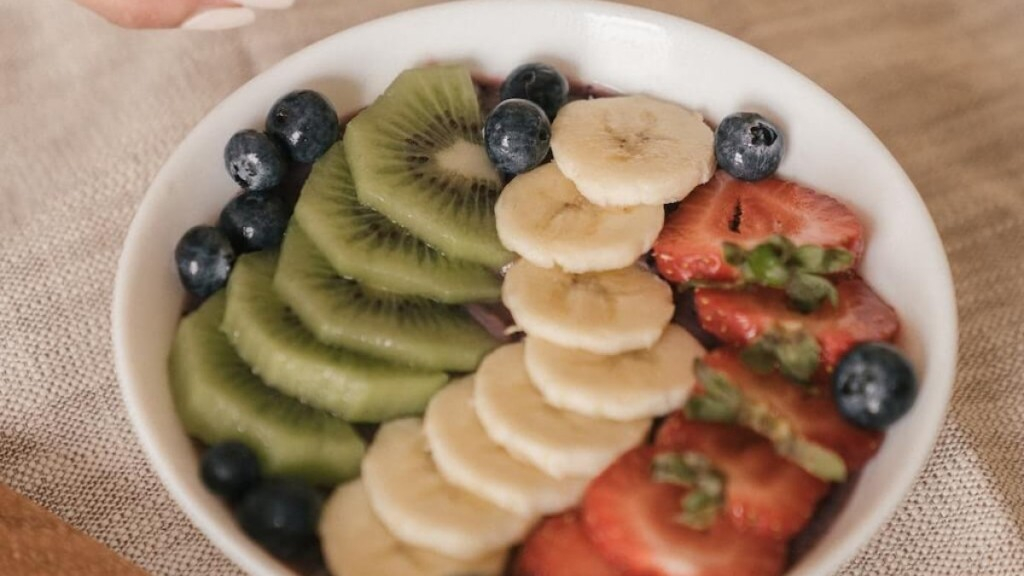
(468, 458)
(632, 149)
(601, 312)
(355, 543)
(557, 441)
(421, 508)
(542, 216)
(638, 384)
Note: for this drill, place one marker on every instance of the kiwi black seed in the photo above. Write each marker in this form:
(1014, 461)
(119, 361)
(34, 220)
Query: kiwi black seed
(218, 399)
(417, 157)
(408, 330)
(272, 340)
(365, 245)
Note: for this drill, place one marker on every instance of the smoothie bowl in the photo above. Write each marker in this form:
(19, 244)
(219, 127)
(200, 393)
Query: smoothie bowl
(476, 316)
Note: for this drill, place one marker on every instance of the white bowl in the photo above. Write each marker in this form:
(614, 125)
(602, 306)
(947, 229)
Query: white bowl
(628, 49)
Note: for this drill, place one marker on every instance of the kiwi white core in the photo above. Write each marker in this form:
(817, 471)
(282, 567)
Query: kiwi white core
(469, 160)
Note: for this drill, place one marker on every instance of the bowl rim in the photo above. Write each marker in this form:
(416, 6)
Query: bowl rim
(940, 384)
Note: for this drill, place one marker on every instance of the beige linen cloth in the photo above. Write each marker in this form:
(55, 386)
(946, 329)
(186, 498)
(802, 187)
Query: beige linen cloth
(88, 113)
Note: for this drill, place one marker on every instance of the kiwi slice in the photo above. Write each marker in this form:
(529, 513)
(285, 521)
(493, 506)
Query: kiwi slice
(342, 312)
(272, 340)
(417, 157)
(218, 398)
(363, 244)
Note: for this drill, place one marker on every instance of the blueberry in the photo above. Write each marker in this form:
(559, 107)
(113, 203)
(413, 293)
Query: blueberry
(204, 257)
(748, 146)
(874, 385)
(254, 160)
(255, 221)
(305, 122)
(281, 516)
(540, 84)
(230, 469)
(517, 135)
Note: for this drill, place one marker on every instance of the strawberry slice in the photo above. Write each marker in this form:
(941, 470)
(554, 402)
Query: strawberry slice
(560, 547)
(803, 424)
(764, 492)
(725, 209)
(741, 317)
(633, 521)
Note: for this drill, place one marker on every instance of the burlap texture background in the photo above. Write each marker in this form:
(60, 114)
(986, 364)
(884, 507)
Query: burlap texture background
(88, 113)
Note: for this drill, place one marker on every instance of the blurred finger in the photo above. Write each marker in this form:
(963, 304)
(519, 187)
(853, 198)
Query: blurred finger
(219, 19)
(267, 4)
(223, 17)
(172, 13)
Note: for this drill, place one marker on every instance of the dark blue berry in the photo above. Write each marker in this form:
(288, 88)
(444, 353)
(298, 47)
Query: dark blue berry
(748, 146)
(204, 257)
(305, 122)
(540, 84)
(230, 469)
(281, 516)
(255, 221)
(254, 160)
(517, 136)
(874, 385)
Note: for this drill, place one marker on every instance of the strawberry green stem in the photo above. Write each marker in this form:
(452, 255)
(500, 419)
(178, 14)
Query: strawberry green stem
(795, 353)
(721, 401)
(799, 270)
(703, 502)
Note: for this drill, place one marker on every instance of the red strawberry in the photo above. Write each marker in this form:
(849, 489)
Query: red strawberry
(748, 213)
(738, 317)
(810, 414)
(631, 519)
(763, 491)
(560, 547)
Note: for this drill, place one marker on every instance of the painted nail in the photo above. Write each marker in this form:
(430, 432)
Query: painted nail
(267, 4)
(220, 19)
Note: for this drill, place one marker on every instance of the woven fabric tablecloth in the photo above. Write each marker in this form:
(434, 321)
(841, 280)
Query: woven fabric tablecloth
(88, 113)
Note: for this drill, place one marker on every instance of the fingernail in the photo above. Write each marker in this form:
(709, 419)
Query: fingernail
(220, 19)
(267, 4)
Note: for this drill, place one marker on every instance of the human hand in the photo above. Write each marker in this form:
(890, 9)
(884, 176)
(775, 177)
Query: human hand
(188, 14)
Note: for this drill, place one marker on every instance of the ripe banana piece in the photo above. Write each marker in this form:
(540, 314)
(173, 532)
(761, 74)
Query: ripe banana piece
(421, 508)
(355, 543)
(559, 442)
(468, 458)
(543, 217)
(600, 312)
(631, 150)
(638, 384)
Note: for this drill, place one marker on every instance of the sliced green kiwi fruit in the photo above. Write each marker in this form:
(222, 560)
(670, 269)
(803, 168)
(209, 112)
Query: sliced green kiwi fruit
(272, 340)
(417, 157)
(218, 398)
(405, 329)
(363, 244)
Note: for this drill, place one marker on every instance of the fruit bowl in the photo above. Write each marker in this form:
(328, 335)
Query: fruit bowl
(625, 49)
